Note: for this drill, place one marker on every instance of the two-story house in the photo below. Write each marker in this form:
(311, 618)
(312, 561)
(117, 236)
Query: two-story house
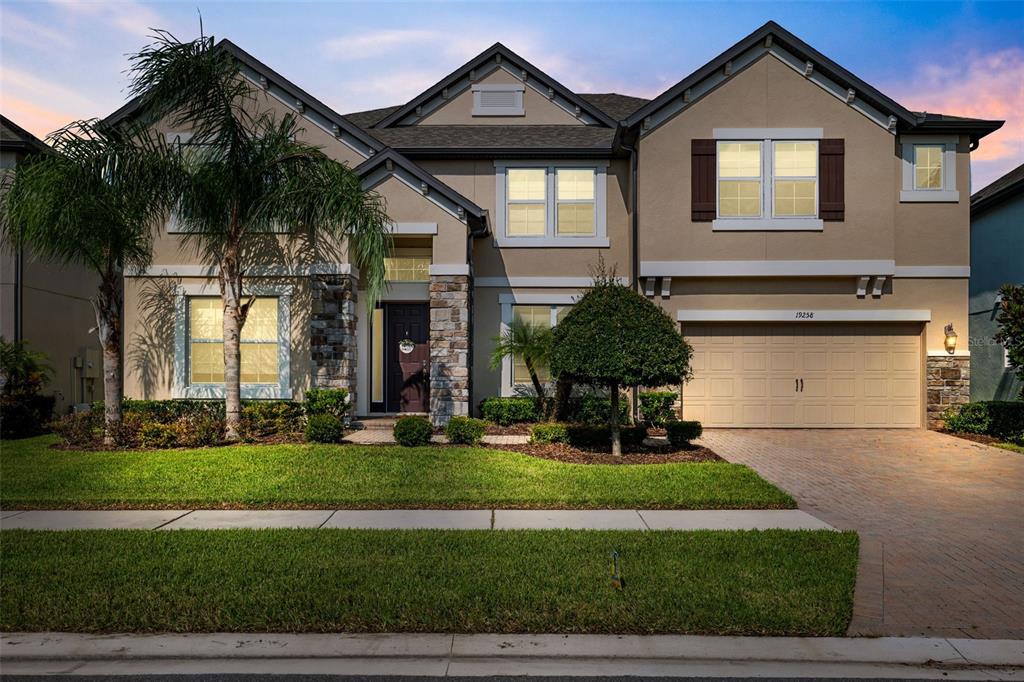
(46, 304)
(809, 234)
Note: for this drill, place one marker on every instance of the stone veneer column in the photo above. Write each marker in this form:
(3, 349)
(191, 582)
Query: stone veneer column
(948, 383)
(332, 333)
(449, 347)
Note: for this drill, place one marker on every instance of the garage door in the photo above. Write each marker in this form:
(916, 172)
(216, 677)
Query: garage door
(809, 375)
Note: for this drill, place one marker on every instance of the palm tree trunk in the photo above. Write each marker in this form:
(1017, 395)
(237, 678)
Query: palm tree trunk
(107, 305)
(537, 387)
(234, 318)
(613, 419)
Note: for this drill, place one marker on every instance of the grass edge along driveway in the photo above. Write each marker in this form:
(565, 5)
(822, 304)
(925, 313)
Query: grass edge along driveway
(703, 582)
(36, 476)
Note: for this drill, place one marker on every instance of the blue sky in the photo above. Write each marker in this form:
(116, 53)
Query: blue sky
(64, 59)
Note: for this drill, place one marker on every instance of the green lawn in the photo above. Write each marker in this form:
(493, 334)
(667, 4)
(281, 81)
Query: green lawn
(351, 476)
(707, 582)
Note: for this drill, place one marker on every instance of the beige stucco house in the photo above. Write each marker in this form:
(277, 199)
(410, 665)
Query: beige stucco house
(810, 235)
(47, 304)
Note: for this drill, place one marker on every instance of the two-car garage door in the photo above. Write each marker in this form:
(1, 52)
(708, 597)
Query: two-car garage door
(804, 375)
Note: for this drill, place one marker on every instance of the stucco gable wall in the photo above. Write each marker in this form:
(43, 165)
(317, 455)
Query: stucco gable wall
(407, 205)
(768, 94)
(538, 109)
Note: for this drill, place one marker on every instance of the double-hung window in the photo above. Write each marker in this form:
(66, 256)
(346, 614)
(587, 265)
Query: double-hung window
(767, 185)
(546, 316)
(263, 345)
(550, 204)
(258, 342)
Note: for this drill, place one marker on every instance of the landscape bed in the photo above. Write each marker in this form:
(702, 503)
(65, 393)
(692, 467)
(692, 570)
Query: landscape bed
(37, 476)
(704, 582)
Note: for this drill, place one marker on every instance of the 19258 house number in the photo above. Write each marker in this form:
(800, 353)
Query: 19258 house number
(804, 315)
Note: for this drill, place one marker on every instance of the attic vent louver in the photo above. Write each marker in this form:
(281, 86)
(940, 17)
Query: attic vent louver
(498, 99)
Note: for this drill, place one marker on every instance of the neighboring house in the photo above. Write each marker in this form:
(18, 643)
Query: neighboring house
(48, 305)
(997, 258)
(809, 233)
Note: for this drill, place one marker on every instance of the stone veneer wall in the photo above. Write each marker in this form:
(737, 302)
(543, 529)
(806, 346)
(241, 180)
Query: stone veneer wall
(332, 333)
(948, 384)
(449, 347)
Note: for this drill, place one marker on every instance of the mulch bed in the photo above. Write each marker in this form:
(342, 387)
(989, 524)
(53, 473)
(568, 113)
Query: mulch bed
(648, 455)
(511, 430)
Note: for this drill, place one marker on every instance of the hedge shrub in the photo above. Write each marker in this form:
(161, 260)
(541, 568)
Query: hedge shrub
(586, 435)
(680, 433)
(509, 410)
(591, 408)
(324, 428)
(1002, 419)
(551, 432)
(465, 430)
(657, 407)
(158, 435)
(265, 418)
(82, 429)
(412, 431)
(24, 416)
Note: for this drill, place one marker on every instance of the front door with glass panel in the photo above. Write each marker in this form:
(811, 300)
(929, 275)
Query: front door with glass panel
(406, 347)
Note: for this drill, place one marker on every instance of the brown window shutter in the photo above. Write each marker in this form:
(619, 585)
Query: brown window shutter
(702, 181)
(831, 194)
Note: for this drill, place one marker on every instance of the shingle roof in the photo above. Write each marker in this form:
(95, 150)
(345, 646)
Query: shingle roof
(612, 103)
(996, 192)
(14, 137)
(615, 105)
(504, 137)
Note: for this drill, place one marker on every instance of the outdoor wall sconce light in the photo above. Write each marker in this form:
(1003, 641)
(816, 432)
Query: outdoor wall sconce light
(950, 341)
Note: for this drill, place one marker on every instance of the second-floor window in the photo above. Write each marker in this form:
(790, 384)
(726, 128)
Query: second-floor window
(551, 204)
(767, 179)
(928, 166)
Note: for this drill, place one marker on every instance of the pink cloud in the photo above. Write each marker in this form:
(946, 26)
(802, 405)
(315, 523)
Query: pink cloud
(977, 85)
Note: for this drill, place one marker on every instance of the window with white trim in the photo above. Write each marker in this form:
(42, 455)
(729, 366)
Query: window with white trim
(929, 168)
(767, 180)
(551, 204)
(542, 316)
(258, 343)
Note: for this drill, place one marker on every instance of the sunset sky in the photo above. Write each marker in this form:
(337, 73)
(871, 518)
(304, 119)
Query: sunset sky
(65, 59)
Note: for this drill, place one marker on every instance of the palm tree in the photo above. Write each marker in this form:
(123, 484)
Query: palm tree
(247, 175)
(94, 203)
(532, 343)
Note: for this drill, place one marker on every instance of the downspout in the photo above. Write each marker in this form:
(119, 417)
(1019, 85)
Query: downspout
(634, 153)
(470, 322)
(19, 275)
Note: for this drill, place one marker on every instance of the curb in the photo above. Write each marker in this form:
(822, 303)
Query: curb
(56, 646)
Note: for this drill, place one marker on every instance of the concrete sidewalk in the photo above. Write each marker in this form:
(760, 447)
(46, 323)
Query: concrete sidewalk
(447, 519)
(533, 655)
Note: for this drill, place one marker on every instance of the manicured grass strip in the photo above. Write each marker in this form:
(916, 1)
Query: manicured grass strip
(711, 582)
(353, 476)
(1012, 447)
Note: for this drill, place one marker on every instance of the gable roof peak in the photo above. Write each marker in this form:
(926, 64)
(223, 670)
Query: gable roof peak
(464, 76)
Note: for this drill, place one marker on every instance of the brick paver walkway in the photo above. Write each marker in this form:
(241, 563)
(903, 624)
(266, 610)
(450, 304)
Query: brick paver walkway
(941, 521)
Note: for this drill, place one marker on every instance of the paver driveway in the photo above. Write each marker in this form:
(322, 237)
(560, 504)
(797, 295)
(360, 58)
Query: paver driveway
(941, 521)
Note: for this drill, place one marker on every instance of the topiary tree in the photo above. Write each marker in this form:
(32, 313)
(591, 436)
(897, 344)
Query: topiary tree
(614, 337)
(1011, 327)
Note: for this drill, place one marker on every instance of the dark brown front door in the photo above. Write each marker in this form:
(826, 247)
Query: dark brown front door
(408, 356)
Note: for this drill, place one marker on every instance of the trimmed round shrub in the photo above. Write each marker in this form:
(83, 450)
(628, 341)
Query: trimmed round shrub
(334, 401)
(413, 431)
(506, 411)
(657, 408)
(465, 430)
(324, 428)
(551, 432)
(682, 432)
